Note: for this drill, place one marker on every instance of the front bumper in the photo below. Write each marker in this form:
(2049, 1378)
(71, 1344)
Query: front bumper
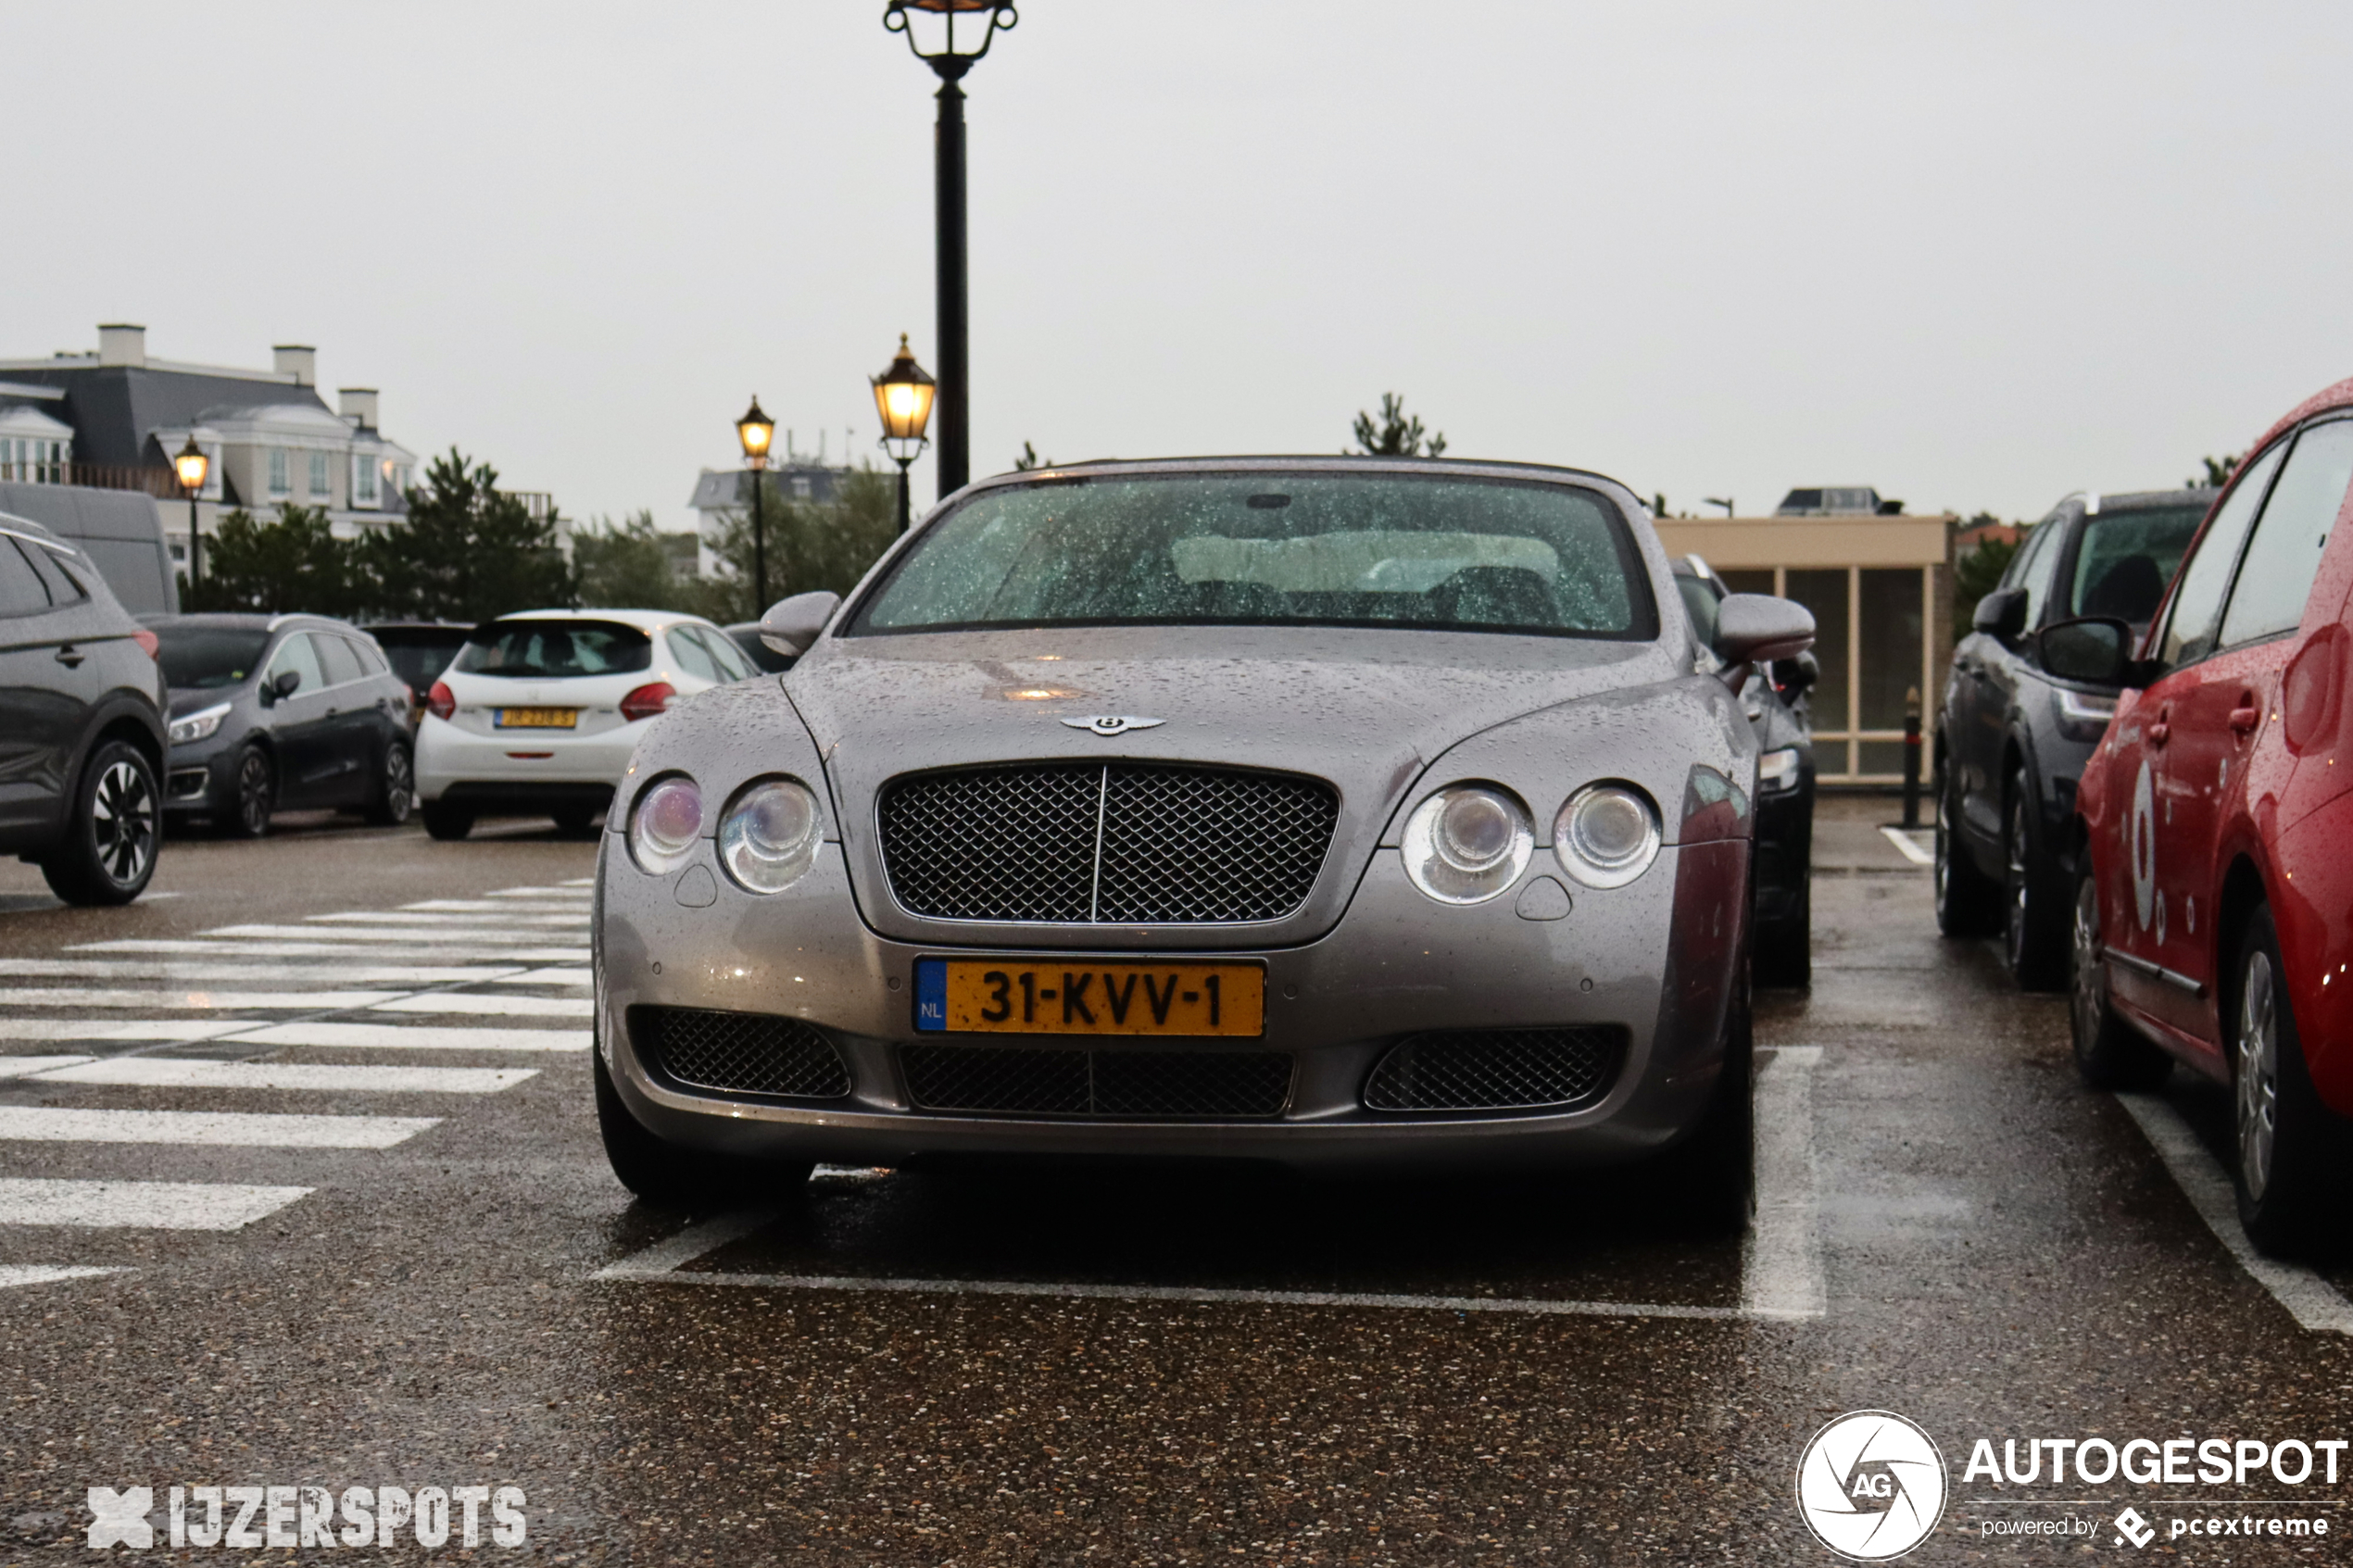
(1660, 959)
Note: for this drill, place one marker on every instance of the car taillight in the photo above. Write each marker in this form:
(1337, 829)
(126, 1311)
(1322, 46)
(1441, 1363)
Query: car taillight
(149, 643)
(441, 702)
(647, 701)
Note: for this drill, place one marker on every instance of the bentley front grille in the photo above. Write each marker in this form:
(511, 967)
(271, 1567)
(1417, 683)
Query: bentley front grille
(1165, 1085)
(1497, 1068)
(741, 1053)
(1123, 843)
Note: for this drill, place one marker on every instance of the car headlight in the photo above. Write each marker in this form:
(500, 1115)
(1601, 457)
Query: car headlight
(768, 837)
(1606, 835)
(1467, 843)
(199, 725)
(1777, 771)
(665, 824)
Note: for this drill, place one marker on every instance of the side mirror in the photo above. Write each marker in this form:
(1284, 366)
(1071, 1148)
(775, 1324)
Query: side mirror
(279, 686)
(792, 624)
(2096, 650)
(2001, 613)
(1799, 674)
(1760, 628)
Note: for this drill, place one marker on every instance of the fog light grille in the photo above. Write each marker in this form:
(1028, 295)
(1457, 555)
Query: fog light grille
(742, 1053)
(1167, 1086)
(1497, 1068)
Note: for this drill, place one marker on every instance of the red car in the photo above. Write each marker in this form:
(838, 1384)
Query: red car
(2214, 905)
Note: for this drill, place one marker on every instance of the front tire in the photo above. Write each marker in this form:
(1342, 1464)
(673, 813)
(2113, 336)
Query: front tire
(253, 794)
(2283, 1131)
(575, 822)
(396, 787)
(2034, 937)
(113, 831)
(1785, 946)
(446, 822)
(2109, 1054)
(663, 1173)
(1967, 902)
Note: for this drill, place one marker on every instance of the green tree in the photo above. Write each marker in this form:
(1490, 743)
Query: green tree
(812, 545)
(2217, 474)
(292, 562)
(1396, 435)
(1029, 460)
(465, 551)
(634, 565)
(1977, 570)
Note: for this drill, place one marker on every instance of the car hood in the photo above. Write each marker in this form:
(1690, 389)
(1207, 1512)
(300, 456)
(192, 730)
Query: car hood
(1369, 711)
(189, 699)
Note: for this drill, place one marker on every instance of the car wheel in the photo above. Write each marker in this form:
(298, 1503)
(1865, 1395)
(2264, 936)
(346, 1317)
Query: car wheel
(109, 849)
(2035, 942)
(1784, 953)
(1710, 1179)
(576, 822)
(444, 821)
(396, 789)
(253, 794)
(663, 1173)
(2281, 1127)
(1966, 897)
(2108, 1053)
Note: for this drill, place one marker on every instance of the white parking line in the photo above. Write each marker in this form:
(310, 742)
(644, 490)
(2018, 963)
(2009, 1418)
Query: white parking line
(155, 1072)
(515, 1007)
(1903, 841)
(49, 1124)
(231, 948)
(195, 1001)
(423, 936)
(1781, 1259)
(14, 1274)
(248, 973)
(417, 1037)
(27, 1066)
(177, 1206)
(2310, 1299)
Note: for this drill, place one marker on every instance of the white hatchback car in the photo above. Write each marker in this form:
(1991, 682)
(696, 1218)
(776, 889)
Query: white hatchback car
(538, 713)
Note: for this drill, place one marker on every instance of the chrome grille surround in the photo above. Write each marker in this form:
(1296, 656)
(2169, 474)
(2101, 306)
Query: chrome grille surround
(739, 1053)
(1498, 1069)
(1127, 1085)
(1104, 843)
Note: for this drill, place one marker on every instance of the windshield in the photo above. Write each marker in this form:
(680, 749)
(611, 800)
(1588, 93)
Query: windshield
(544, 649)
(419, 657)
(2127, 558)
(206, 657)
(1408, 550)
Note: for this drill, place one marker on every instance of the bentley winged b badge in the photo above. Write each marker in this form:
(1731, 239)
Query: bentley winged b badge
(1114, 723)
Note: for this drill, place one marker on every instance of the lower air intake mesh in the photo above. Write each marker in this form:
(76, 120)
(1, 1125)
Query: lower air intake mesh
(1497, 1068)
(744, 1053)
(1168, 1086)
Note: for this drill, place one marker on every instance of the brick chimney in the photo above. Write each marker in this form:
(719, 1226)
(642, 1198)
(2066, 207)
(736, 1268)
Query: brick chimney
(296, 359)
(358, 406)
(121, 343)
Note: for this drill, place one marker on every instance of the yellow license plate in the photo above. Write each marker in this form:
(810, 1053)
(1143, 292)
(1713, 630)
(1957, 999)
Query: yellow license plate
(539, 717)
(998, 996)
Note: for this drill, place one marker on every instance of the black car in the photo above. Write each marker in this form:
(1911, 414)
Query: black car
(419, 651)
(1775, 701)
(81, 737)
(745, 634)
(271, 711)
(2011, 740)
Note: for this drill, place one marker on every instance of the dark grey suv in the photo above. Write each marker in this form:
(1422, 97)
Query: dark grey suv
(82, 738)
(282, 712)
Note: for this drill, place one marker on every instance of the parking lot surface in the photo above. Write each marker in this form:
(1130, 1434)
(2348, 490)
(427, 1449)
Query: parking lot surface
(300, 1185)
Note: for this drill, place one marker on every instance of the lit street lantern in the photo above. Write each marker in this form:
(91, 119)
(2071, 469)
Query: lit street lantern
(192, 465)
(902, 397)
(756, 429)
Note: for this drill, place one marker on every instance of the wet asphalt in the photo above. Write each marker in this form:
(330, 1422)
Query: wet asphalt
(1098, 1365)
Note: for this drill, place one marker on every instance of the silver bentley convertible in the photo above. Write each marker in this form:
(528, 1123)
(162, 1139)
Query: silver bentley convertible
(1335, 812)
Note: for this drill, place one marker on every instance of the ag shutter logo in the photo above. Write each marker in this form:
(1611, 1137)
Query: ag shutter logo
(1870, 1485)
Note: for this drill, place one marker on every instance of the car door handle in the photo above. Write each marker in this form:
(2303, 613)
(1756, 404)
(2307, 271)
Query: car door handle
(70, 657)
(2163, 726)
(2244, 720)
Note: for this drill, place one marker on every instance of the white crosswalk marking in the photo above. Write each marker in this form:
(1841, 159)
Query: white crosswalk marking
(582, 890)
(497, 905)
(548, 977)
(512, 1006)
(177, 1029)
(229, 948)
(452, 936)
(27, 1066)
(407, 918)
(415, 1038)
(207, 1002)
(151, 1071)
(244, 1129)
(175, 1206)
(347, 972)
(13, 1274)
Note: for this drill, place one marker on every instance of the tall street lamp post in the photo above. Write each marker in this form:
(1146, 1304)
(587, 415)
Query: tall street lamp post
(192, 465)
(756, 429)
(904, 395)
(948, 35)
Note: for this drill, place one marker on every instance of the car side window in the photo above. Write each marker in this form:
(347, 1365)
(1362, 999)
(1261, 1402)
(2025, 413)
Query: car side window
(64, 587)
(21, 592)
(733, 665)
(691, 655)
(2283, 557)
(2041, 566)
(2191, 621)
(296, 653)
(371, 658)
(337, 659)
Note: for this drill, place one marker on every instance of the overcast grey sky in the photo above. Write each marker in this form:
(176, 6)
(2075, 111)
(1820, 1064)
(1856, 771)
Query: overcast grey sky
(1977, 254)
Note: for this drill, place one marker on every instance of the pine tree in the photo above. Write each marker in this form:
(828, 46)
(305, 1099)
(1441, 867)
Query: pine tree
(467, 552)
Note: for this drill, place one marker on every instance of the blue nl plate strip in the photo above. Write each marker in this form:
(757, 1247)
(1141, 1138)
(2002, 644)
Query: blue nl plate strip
(931, 994)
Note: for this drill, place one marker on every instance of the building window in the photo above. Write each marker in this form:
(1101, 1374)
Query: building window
(280, 485)
(363, 480)
(322, 487)
(801, 487)
(34, 461)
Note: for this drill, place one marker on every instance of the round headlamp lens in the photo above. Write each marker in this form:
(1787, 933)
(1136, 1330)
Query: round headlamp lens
(1607, 836)
(668, 819)
(1467, 843)
(768, 838)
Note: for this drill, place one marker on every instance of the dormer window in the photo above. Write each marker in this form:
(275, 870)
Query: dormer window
(363, 479)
